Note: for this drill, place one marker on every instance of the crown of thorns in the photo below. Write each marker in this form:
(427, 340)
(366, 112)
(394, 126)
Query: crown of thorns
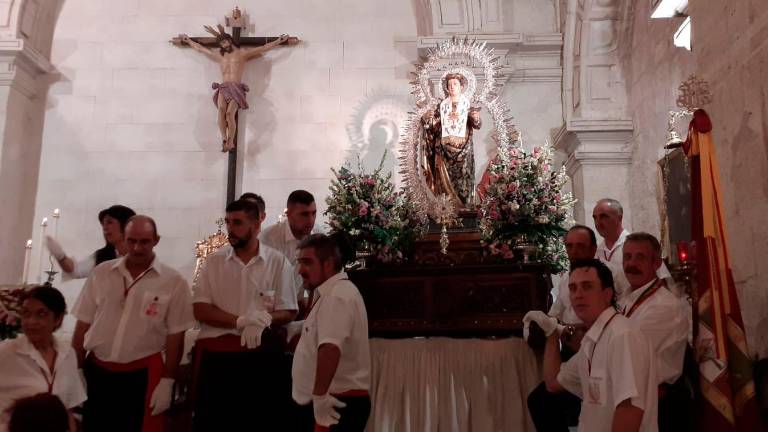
(219, 35)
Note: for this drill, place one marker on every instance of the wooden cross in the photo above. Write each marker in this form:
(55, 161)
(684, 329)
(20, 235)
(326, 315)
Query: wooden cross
(236, 22)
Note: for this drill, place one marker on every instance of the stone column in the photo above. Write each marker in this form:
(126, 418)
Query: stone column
(597, 132)
(23, 86)
(598, 162)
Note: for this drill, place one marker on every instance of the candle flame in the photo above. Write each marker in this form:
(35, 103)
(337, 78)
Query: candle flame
(56, 213)
(45, 222)
(29, 244)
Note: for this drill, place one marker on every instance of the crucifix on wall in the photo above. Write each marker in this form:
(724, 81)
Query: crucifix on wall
(231, 52)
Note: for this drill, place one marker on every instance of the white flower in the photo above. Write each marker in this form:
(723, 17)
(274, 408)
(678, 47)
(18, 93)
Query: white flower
(542, 219)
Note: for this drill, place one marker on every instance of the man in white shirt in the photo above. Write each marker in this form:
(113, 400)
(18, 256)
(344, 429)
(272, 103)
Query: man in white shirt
(608, 216)
(581, 244)
(285, 235)
(131, 311)
(556, 411)
(614, 370)
(242, 296)
(299, 222)
(662, 317)
(331, 367)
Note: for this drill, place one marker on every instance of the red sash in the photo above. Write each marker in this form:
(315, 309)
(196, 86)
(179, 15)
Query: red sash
(651, 290)
(348, 393)
(154, 365)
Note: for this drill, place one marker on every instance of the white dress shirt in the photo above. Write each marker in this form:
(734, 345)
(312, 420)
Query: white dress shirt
(338, 317)
(264, 283)
(615, 363)
(614, 254)
(562, 309)
(279, 236)
(129, 327)
(663, 319)
(25, 373)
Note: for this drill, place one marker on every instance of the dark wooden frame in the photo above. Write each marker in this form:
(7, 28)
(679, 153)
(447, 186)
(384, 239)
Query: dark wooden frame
(457, 301)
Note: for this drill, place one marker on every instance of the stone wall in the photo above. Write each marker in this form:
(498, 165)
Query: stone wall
(730, 51)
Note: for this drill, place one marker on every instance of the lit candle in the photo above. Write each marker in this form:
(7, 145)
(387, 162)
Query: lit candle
(27, 256)
(43, 226)
(56, 216)
(682, 251)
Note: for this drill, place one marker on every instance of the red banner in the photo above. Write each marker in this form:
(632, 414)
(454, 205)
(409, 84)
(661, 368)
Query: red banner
(727, 401)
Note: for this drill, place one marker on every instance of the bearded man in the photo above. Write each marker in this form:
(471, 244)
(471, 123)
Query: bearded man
(240, 372)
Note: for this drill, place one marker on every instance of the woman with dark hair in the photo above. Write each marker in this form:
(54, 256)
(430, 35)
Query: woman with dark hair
(113, 221)
(36, 361)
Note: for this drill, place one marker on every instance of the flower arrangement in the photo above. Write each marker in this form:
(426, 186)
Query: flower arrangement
(10, 310)
(524, 203)
(368, 209)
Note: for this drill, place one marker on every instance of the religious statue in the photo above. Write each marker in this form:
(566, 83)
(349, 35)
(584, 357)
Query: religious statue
(448, 158)
(229, 95)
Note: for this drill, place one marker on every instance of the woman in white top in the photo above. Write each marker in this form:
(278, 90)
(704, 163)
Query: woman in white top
(113, 221)
(36, 362)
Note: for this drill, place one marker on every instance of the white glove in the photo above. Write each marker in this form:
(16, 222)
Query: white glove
(55, 248)
(251, 336)
(325, 409)
(547, 323)
(161, 397)
(259, 318)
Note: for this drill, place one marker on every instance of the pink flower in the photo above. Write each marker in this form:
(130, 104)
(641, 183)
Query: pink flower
(493, 178)
(363, 210)
(494, 215)
(511, 187)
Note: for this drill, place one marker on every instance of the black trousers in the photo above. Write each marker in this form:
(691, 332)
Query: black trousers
(115, 399)
(553, 412)
(354, 416)
(243, 391)
(675, 407)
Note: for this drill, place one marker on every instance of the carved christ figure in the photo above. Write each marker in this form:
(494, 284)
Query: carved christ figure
(229, 95)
